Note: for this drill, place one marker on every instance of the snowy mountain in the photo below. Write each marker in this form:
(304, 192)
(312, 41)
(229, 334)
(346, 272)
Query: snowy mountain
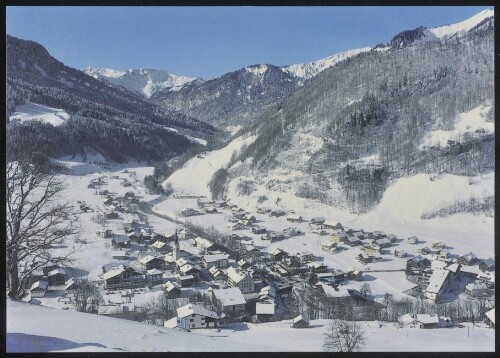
(421, 106)
(142, 81)
(74, 112)
(463, 26)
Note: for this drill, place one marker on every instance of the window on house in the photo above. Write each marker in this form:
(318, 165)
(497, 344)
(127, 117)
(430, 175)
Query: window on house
(192, 326)
(191, 320)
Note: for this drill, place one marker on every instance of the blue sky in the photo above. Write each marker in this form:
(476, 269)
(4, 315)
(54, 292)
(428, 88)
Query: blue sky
(210, 41)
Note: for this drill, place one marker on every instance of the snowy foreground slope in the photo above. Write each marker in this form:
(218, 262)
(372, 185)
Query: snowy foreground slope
(55, 330)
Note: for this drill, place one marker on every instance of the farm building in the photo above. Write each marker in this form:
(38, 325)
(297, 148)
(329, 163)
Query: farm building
(230, 299)
(301, 321)
(294, 218)
(39, 288)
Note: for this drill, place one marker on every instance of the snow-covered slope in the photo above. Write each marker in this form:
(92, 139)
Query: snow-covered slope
(39, 112)
(143, 81)
(310, 69)
(463, 26)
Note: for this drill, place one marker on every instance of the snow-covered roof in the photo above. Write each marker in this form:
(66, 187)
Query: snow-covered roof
(427, 318)
(264, 308)
(187, 268)
(331, 223)
(436, 264)
(317, 219)
(109, 309)
(200, 241)
(453, 267)
(230, 296)
(120, 239)
(476, 286)
(469, 256)
(383, 241)
(491, 315)
(276, 251)
(235, 275)
(406, 319)
(171, 323)
(341, 291)
(436, 280)
(117, 271)
(154, 271)
(294, 217)
(147, 259)
(43, 285)
(300, 317)
(489, 262)
(268, 291)
(58, 270)
(192, 308)
(169, 286)
(159, 244)
(215, 257)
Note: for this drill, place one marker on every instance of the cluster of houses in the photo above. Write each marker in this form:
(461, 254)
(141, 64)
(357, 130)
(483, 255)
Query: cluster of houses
(51, 276)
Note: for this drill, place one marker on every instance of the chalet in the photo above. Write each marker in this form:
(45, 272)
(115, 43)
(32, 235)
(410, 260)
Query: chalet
(428, 320)
(243, 264)
(203, 244)
(317, 267)
(301, 321)
(476, 289)
(234, 226)
(329, 246)
(133, 237)
(240, 279)
(276, 213)
(217, 260)
(467, 259)
(216, 274)
(210, 210)
(57, 277)
(264, 310)
(189, 212)
(438, 245)
(371, 249)
(172, 289)
(392, 238)
(291, 231)
(439, 283)
(294, 218)
(258, 230)
(489, 318)
(383, 243)
(149, 262)
(272, 236)
(359, 234)
(487, 278)
(39, 289)
(158, 237)
(190, 270)
(305, 257)
(408, 321)
(250, 218)
(338, 275)
(122, 277)
(332, 225)
(443, 254)
(230, 299)
(120, 255)
(105, 233)
(319, 220)
(416, 264)
(70, 285)
(185, 281)
(263, 210)
(111, 215)
(318, 231)
(365, 258)
(278, 254)
(154, 276)
(355, 274)
(338, 236)
(424, 250)
(400, 253)
(267, 293)
(160, 246)
(193, 316)
(412, 240)
(353, 241)
(487, 265)
(333, 294)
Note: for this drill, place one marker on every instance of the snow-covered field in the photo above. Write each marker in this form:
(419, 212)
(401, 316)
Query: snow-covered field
(33, 328)
(39, 112)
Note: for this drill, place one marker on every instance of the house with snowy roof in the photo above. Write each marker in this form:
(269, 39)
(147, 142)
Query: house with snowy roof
(217, 260)
(301, 321)
(193, 316)
(57, 277)
(332, 225)
(231, 300)
(489, 318)
(467, 259)
(154, 276)
(240, 279)
(294, 218)
(264, 310)
(150, 262)
(122, 277)
(172, 289)
(39, 289)
(412, 240)
(487, 265)
(439, 282)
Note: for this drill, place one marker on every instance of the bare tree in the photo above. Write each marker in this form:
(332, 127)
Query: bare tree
(36, 218)
(343, 336)
(87, 297)
(365, 289)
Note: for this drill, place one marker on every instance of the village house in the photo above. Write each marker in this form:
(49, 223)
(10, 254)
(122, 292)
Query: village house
(39, 289)
(193, 316)
(276, 213)
(234, 226)
(154, 276)
(203, 244)
(487, 278)
(120, 255)
(354, 274)
(487, 265)
(185, 281)
(443, 254)
(338, 236)
(416, 264)
(317, 267)
(190, 270)
(209, 210)
(216, 274)
(104, 233)
(489, 318)
(382, 243)
(111, 215)
(272, 236)
(70, 286)
(278, 254)
(263, 210)
(189, 212)
(338, 275)
(264, 310)
(291, 231)
(123, 277)
(329, 246)
(467, 259)
(259, 230)
(332, 225)
(120, 241)
(370, 249)
(424, 250)
(294, 218)
(150, 262)
(172, 289)
(476, 289)
(318, 231)
(318, 220)
(217, 260)
(438, 245)
(424, 321)
(400, 253)
(113, 310)
(439, 282)
(240, 279)
(160, 246)
(413, 240)
(353, 241)
(56, 277)
(231, 300)
(301, 321)
(365, 258)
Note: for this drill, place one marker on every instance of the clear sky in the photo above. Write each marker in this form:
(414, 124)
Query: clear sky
(210, 41)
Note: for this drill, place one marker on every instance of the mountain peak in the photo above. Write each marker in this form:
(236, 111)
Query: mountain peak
(463, 26)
